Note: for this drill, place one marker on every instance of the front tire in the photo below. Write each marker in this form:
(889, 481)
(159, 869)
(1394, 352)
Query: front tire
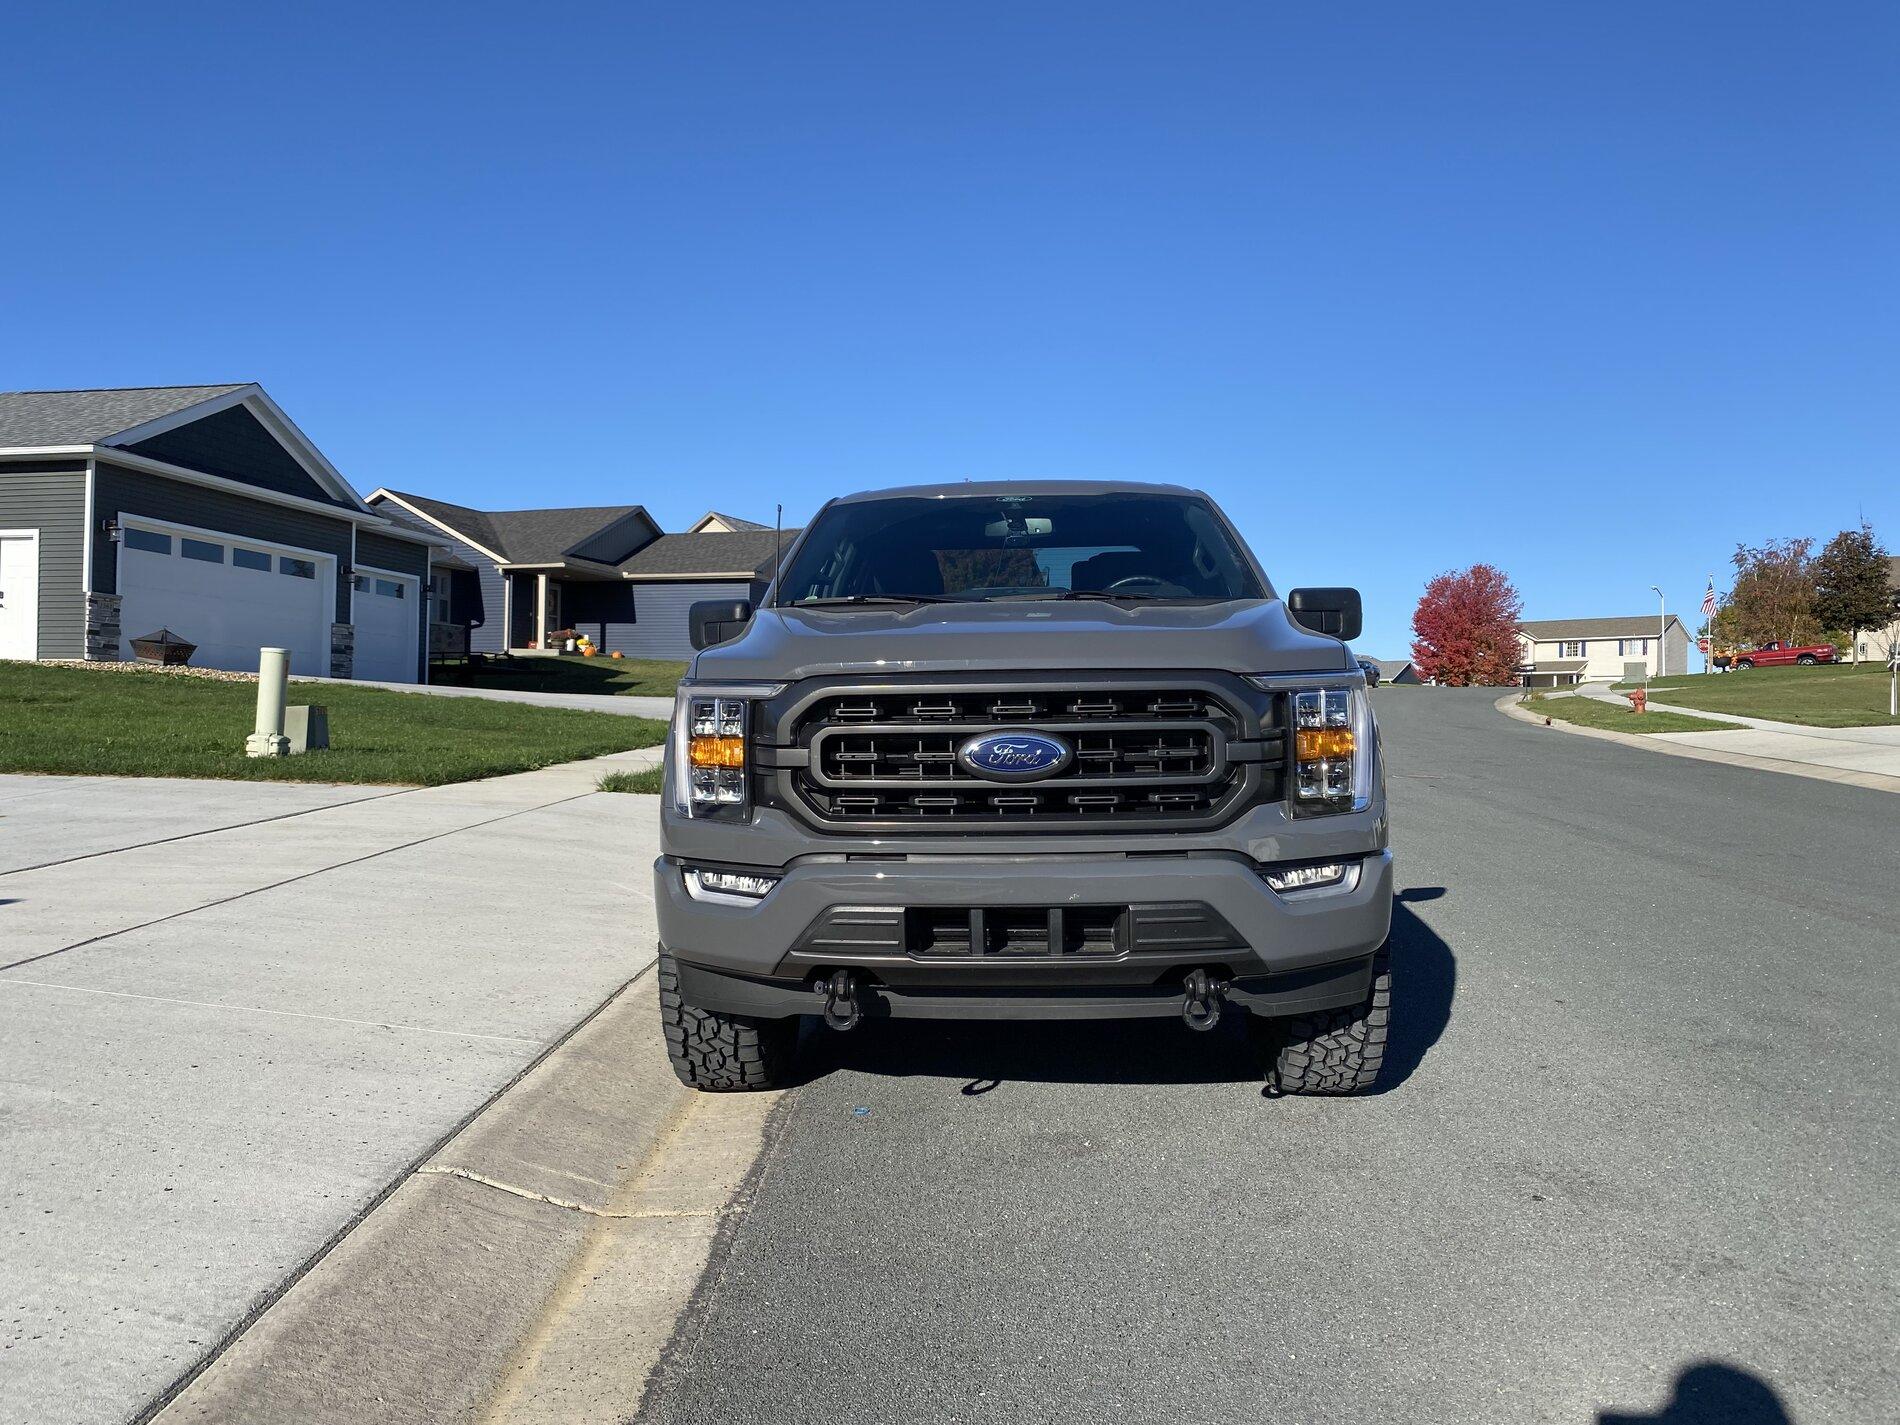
(1744, 665)
(1336, 1051)
(722, 1053)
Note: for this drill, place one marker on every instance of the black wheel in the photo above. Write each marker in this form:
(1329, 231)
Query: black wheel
(1744, 665)
(722, 1053)
(1336, 1051)
(1807, 660)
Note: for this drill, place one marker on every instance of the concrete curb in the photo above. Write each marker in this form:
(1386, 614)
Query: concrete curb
(1875, 781)
(420, 1309)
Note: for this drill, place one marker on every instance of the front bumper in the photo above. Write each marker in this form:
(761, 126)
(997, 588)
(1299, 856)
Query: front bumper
(1287, 954)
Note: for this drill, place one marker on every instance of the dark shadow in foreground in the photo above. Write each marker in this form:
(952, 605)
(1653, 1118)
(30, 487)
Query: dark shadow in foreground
(1147, 1051)
(1711, 1393)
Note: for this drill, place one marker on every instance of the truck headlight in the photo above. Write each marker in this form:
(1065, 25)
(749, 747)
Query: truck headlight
(1332, 750)
(710, 728)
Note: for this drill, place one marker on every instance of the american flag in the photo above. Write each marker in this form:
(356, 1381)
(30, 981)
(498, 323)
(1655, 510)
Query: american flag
(1708, 600)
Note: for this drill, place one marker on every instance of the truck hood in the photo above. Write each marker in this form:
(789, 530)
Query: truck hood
(1255, 636)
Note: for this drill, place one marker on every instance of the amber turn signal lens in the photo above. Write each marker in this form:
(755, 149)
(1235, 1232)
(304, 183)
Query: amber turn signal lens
(1324, 744)
(730, 751)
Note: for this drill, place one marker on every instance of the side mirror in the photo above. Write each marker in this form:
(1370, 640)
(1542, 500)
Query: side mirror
(713, 621)
(1333, 612)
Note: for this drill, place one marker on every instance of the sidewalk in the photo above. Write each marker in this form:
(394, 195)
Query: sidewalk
(1872, 751)
(626, 706)
(227, 1031)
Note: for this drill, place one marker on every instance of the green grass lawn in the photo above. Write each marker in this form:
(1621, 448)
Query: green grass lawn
(78, 721)
(1824, 696)
(609, 677)
(647, 781)
(1588, 712)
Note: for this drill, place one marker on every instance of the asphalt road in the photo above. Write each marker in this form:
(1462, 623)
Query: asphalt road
(1635, 1156)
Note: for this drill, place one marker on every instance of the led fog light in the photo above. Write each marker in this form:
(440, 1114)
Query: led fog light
(1306, 878)
(727, 887)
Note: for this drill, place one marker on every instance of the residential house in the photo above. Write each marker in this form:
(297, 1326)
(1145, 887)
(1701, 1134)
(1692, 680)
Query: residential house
(605, 571)
(1397, 670)
(1555, 653)
(712, 522)
(205, 511)
(1879, 644)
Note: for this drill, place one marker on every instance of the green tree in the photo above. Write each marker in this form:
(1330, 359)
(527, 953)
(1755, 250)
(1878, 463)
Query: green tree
(1773, 597)
(1850, 578)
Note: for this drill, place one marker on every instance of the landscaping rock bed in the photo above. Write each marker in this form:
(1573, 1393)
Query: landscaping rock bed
(172, 670)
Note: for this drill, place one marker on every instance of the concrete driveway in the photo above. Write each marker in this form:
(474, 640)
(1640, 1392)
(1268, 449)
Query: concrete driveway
(232, 1014)
(631, 705)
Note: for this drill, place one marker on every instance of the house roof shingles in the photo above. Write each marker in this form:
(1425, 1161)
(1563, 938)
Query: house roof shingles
(521, 536)
(1546, 630)
(739, 553)
(29, 418)
(545, 536)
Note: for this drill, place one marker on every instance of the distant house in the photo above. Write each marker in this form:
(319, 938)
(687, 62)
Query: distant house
(712, 522)
(678, 570)
(1556, 653)
(204, 511)
(607, 571)
(1880, 644)
(1397, 670)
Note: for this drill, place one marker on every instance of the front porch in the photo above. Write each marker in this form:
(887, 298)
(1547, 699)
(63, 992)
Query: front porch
(548, 604)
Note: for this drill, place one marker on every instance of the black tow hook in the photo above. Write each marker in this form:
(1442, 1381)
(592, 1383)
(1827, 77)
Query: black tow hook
(1201, 1002)
(842, 1010)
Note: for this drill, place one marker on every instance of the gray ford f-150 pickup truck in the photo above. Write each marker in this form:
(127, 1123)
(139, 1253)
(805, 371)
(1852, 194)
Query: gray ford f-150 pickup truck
(1024, 751)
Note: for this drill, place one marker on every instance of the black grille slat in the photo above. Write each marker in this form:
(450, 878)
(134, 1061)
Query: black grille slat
(1157, 754)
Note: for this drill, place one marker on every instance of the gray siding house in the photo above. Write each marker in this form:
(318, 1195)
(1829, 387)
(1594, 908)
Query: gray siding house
(205, 511)
(604, 571)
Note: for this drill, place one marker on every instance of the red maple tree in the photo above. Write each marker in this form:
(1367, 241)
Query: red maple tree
(1464, 630)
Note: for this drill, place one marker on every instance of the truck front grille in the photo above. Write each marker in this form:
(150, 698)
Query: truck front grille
(1147, 754)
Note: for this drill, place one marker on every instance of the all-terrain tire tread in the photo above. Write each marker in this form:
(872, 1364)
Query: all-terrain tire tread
(721, 1053)
(1336, 1051)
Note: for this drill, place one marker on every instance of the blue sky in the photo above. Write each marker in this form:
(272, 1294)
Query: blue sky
(1588, 291)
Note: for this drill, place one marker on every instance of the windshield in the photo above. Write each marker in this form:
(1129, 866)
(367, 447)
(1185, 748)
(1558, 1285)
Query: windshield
(1144, 547)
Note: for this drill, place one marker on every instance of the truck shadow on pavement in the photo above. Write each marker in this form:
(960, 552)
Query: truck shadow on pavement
(1712, 1393)
(1139, 1051)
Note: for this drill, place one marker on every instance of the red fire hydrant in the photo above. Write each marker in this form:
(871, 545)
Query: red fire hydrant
(1639, 700)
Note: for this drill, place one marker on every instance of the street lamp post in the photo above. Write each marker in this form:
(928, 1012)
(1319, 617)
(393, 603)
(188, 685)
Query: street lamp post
(1662, 628)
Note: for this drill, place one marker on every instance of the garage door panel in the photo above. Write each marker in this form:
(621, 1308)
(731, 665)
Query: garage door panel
(228, 606)
(387, 614)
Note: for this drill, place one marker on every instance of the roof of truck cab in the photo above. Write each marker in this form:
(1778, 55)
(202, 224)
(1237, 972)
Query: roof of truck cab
(978, 489)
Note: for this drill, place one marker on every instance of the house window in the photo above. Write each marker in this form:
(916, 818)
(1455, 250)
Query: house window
(1571, 650)
(439, 597)
(250, 559)
(145, 539)
(296, 568)
(389, 588)
(1638, 646)
(201, 549)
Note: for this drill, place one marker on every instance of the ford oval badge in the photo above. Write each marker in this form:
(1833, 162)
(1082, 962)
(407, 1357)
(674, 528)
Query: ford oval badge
(1014, 756)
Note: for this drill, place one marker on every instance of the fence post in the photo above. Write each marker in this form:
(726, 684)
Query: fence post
(273, 681)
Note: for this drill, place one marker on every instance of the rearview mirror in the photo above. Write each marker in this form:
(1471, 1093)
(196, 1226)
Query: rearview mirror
(1334, 612)
(713, 621)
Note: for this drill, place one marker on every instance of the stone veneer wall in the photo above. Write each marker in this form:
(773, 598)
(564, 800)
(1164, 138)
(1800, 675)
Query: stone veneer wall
(102, 628)
(342, 650)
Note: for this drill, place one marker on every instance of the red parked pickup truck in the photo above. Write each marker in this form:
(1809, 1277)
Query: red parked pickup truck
(1771, 654)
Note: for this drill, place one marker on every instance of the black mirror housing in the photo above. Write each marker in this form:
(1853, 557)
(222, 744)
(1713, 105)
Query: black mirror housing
(1333, 612)
(713, 621)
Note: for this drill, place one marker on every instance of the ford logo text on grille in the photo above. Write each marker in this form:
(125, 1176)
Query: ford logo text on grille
(1014, 756)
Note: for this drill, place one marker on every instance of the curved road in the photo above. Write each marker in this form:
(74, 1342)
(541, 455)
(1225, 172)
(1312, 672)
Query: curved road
(1634, 1159)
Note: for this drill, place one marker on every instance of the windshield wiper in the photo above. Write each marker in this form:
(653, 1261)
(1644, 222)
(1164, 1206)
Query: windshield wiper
(1103, 596)
(841, 599)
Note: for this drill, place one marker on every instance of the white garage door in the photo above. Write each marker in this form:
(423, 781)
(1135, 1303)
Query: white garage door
(230, 596)
(386, 625)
